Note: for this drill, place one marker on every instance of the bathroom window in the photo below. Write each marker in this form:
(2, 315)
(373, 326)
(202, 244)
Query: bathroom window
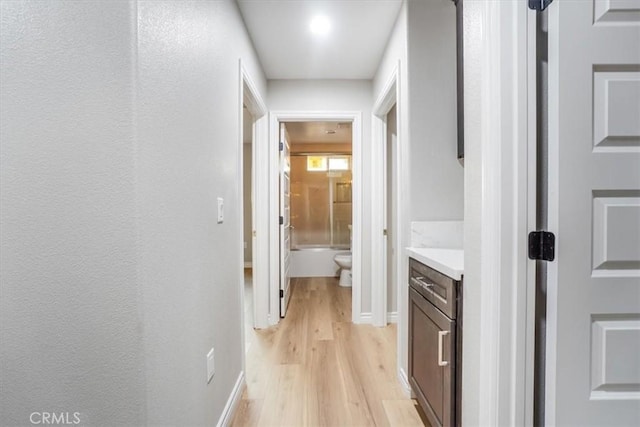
(324, 163)
(339, 163)
(316, 163)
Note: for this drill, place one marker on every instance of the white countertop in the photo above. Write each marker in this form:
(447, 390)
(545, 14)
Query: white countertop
(449, 262)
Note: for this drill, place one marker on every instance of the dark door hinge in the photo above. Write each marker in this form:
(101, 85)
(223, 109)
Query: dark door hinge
(281, 293)
(281, 146)
(542, 245)
(539, 5)
(281, 220)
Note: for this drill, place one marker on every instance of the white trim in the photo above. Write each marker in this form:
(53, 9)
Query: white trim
(527, 163)
(364, 318)
(260, 240)
(386, 99)
(553, 175)
(501, 339)
(392, 317)
(248, 264)
(403, 378)
(490, 239)
(232, 402)
(275, 117)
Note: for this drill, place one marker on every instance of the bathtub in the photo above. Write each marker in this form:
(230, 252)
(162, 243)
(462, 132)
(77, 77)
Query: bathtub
(315, 260)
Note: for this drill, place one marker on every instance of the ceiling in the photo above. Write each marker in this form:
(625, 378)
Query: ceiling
(316, 132)
(352, 49)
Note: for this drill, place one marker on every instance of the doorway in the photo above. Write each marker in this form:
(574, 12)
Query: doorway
(391, 212)
(247, 214)
(253, 227)
(321, 197)
(276, 276)
(388, 210)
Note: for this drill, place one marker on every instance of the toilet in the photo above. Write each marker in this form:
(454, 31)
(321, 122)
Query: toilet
(343, 259)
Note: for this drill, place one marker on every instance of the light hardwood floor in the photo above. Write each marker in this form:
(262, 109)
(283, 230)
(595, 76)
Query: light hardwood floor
(316, 368)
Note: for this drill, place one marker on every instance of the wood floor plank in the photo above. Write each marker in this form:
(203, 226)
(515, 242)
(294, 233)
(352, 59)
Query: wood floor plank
(402, 413)
(325, 391)
(365, 376)
(381, 362)
(281, 405)
(248, 413)
(340, 300)
(293, 335)
(320, 317)
(316, 283)
(316, 368)
(356, 399)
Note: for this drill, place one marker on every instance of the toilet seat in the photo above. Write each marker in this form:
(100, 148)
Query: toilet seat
(343, 258)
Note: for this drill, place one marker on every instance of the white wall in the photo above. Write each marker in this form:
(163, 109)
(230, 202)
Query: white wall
(120, 125)
(188, 131)
(70, 323)
(336, 95)
(438, 176)
(423, 44)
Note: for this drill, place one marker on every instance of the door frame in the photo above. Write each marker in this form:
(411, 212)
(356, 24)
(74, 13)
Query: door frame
(250, 96)
(500, 196)
(275, 117)
(388, 97)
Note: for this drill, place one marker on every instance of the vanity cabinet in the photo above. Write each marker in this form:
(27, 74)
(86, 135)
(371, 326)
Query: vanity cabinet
(435, 343)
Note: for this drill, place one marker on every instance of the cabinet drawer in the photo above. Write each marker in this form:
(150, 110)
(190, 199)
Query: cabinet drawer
(439, 289)
(432, 360)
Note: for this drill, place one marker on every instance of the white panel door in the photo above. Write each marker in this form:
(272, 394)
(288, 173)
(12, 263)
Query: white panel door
(593, 312)
(285, 221)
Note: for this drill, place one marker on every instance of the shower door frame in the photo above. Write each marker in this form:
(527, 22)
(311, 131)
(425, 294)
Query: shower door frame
(275, 118)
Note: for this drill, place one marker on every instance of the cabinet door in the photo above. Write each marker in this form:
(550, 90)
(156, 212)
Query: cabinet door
(432, 360)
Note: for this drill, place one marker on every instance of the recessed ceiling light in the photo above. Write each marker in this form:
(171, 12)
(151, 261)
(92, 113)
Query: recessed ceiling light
(320, 25)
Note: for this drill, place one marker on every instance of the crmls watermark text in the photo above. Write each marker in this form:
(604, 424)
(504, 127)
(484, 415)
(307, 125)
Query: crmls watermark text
(59, 418)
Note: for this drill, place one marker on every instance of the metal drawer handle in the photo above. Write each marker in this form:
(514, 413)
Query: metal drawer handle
(441, 335)
(418, 281)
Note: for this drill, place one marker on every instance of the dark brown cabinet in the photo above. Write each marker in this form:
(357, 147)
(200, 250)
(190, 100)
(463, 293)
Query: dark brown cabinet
(434, 343)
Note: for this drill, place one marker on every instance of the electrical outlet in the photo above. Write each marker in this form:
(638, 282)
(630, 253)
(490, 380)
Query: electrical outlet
(211, 365)
(220, 210)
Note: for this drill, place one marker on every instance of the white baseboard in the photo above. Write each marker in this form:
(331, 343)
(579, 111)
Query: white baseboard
(233, 401)
(404, 382)
(248, 264)
(364, 318)
(392, 317)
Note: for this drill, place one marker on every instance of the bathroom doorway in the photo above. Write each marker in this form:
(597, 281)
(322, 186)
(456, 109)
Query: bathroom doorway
(321, 196)
(326, 219)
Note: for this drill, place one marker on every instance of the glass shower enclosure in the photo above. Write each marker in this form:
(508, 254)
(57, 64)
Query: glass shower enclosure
(321, 201)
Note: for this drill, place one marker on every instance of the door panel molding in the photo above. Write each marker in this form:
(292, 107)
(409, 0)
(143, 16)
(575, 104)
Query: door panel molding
(593, 329)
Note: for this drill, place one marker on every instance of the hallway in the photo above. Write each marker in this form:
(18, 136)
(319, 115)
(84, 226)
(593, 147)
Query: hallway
(317, 368)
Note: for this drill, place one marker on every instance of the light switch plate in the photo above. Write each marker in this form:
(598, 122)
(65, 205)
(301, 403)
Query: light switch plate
(211, 365)
(220, 210)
